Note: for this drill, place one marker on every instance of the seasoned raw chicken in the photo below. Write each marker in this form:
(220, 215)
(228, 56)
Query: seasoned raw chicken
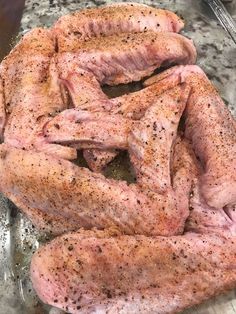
(151, 140)
(100, 129)
(2, 109)
(116, 59)
(86, 93)
(203, 219)
(59, 187)
(84, 129)
(137, 258)
(184, 170)
(26, 65)
(46, 222)
(73, 29)
(212, 130)
(183, 157)
(83, 87)
(33, 93)
(124, 58)
(92, 272)
(132, 105)
(206, 219)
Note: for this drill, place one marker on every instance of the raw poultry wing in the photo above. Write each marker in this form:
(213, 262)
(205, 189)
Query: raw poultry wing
(32, 93)
(58, 187)
(73, 29)
(91, 272)
(212, 131)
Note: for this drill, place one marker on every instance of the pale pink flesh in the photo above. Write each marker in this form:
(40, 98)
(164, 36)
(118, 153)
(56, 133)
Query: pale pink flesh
(136, 274)
(94, 271)
(84, 89)
(59, 187)
(85, 93)
(203, 219)
(26, 64)
(84, 129)
(206, 219)
(51, 224)
(24, 128)
(125, 58)
(212, 130)
(132, 105)
(151, 139)
(184, 169)
(33, 90)
(73, 29)
(198, 272)
(163, 118)
(92, 200)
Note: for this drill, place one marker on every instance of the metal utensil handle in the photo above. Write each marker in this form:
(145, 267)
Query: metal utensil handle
(224, 17)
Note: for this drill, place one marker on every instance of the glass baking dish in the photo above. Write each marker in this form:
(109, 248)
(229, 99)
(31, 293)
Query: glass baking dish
(19, 239)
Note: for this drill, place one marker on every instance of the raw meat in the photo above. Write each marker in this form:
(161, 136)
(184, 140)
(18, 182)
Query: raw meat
(73, 29)
(84, 129)
(45, 222)
(33, 93)
(57, 186)
(132, 105)
(26, 64)
(206, 219)
(152, 138)
(124, 58)
(212, 130)
(91, 272)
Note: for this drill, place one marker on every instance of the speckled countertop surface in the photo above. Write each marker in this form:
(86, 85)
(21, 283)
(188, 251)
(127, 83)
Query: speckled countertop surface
(216, 55)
